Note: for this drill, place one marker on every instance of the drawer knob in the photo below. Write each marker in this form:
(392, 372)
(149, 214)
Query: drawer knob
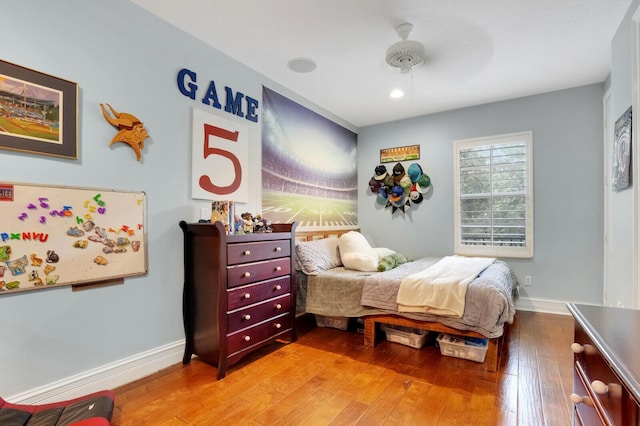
(278, 249)
(577, 399)
(247, 252)
(599, 387)
(247, 338)
(278, 325)
(278, 268)
(247, 295)
(247, 317)
(246, 274)
(278, 287)
(278, 306)
(577, 348)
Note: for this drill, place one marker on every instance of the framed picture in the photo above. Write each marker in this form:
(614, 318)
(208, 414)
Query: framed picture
(400, 153)
(622, 152)
(38, 112)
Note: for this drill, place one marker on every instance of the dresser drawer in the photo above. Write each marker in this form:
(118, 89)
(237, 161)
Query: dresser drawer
(239, 297)
(258, 271)
(584, 410)
(253, 252)
(246, 317)
(246, 338)
(600, 381)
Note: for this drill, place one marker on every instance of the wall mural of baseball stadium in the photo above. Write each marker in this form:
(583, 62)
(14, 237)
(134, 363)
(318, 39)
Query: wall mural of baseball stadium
(309, 172)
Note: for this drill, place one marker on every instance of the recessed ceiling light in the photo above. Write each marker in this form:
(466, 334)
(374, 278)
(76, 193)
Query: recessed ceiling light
(301, 65)
(396, 93)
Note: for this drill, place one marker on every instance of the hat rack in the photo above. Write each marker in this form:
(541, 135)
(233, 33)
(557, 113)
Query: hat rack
(399, 189)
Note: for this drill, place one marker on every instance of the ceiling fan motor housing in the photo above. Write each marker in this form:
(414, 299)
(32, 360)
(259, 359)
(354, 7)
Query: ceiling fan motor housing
(406, 54)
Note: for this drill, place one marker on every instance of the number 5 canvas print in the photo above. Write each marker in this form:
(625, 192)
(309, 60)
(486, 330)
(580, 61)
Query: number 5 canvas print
(220, 156)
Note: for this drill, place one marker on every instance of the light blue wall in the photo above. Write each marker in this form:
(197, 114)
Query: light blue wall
(120, 54)
(567, 164)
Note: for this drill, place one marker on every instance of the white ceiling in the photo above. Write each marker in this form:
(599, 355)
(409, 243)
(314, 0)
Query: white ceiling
(479, 50)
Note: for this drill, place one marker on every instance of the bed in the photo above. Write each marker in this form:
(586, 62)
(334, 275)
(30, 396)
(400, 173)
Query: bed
(326, 287)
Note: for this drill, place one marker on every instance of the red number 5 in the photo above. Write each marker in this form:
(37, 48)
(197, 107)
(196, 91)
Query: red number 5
(205, 181)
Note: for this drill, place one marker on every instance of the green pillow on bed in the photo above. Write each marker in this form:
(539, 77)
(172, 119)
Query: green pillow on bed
(391, 261)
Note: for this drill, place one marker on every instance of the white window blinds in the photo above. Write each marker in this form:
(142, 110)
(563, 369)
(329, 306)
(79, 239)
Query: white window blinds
(493, 196)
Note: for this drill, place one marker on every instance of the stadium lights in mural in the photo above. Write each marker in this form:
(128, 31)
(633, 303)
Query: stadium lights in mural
(38, 112)
(309, 170)
(399, 189)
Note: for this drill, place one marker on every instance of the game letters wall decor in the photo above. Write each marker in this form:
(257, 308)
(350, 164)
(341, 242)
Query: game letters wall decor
(54, 236)
(233, 103)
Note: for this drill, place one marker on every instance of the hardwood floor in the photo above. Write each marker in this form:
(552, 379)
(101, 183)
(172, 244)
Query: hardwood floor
(329, 378)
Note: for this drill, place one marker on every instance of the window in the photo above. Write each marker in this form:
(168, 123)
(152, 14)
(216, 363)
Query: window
(493, 196)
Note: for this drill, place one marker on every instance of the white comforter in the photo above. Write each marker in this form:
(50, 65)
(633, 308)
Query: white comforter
(441, 288)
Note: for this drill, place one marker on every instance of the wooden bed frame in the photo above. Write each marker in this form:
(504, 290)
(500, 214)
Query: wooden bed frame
(495, 345)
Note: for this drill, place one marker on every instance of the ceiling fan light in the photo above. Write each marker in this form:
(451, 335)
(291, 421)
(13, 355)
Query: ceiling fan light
(396, 94)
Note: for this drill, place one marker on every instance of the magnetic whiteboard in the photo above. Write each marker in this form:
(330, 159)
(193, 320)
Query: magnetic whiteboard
(53, 236)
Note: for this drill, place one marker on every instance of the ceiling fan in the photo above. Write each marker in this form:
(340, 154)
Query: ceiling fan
(406, 54)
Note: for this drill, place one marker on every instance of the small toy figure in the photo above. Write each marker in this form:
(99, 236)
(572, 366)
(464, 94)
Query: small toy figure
(248, 222)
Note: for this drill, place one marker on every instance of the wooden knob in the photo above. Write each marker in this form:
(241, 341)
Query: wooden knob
(247, 252)
(577, 348)
(278, 325)
(278, 268)
(247, 317)
(246, 274)
(278, 249)
(599, 387)
(247, 338)
(247, 295)
(577, 399)
(278, 306)
(278, 287)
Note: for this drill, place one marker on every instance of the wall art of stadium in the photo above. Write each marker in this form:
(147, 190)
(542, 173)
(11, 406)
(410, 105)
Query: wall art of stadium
(38, 112)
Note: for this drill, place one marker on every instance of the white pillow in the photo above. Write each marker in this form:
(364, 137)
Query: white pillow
(356, 252)
(383, 251)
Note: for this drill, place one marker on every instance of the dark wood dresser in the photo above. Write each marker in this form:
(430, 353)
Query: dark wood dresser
(239, 291)
(606, 382)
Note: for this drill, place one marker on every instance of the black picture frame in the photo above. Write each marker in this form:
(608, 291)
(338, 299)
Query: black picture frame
(38, 112)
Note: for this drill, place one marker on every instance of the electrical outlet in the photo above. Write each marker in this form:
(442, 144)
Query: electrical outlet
(527, 280)
(620, 305)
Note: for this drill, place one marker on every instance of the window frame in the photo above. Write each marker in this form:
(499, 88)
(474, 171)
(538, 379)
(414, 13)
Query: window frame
(526, 251)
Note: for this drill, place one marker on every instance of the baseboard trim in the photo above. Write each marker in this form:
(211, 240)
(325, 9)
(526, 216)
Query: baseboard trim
(542, 305)
(108, 376)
